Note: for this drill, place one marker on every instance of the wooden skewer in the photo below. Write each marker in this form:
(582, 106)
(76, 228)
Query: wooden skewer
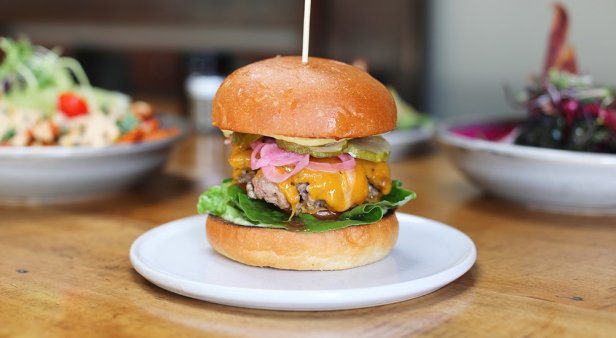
(307, 4)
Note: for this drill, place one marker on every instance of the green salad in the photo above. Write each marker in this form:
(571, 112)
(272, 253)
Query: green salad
(46, 99)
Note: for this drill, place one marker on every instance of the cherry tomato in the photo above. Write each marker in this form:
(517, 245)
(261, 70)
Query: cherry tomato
(72, 105)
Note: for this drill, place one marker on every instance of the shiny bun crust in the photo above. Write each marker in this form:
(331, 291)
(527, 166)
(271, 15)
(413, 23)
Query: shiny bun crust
(321, 99)
(331, 250)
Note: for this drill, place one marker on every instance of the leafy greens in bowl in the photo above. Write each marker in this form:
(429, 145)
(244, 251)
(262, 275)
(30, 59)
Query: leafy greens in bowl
(561, 156)
(566, 110)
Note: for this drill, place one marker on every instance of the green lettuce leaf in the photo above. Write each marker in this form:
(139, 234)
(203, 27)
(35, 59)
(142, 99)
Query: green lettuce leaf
(230, 202)
(218, 201)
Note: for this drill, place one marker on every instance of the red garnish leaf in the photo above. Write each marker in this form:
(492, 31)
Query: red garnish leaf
(566, 60)
(560, 55)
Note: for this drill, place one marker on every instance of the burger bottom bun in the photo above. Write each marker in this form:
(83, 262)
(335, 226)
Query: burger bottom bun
(331, 250)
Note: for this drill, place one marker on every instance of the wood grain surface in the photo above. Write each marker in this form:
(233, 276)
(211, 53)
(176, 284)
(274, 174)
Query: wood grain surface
(65, 270)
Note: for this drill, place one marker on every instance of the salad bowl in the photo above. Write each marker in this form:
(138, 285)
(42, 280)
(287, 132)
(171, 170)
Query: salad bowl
(63, 139)
(559, 180)
(55, 174)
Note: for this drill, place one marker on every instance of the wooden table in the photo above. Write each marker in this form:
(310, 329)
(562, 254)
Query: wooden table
(65, 270)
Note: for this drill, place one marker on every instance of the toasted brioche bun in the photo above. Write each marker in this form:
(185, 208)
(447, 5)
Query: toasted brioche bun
(321, 99)
(331, 250)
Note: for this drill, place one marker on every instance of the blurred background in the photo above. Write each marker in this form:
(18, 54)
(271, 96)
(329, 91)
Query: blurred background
(445, 57)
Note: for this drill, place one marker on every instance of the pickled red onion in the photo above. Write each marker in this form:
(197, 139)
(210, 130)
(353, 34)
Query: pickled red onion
(266, 155)
(271, 154)
(274, 175)
(348, 162)
(256, 148)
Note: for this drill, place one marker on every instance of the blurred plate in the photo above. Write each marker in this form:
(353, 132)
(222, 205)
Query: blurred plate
(40, 175)
(559, 180)
(407, 141)
(177, 257)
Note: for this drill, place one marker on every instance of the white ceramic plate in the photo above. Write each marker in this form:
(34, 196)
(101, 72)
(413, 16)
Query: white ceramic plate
(177, 257)
(35, 175)
(406, 141)
(557, 180)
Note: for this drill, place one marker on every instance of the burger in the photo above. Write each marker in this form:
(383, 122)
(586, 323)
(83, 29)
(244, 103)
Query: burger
(310, 186)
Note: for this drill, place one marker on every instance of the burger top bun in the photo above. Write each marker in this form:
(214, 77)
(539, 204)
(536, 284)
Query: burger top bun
(320, 99)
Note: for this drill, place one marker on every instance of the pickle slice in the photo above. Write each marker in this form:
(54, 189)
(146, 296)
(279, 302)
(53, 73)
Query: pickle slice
(308, 142)
(242, 138)
(373, 148)
(328, 150)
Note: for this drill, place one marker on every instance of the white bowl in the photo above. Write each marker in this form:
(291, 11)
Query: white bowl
(561, 180)
(40, 175)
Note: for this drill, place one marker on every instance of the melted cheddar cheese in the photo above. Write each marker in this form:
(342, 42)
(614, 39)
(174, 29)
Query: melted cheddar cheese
(340, 190)
(239, 160)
